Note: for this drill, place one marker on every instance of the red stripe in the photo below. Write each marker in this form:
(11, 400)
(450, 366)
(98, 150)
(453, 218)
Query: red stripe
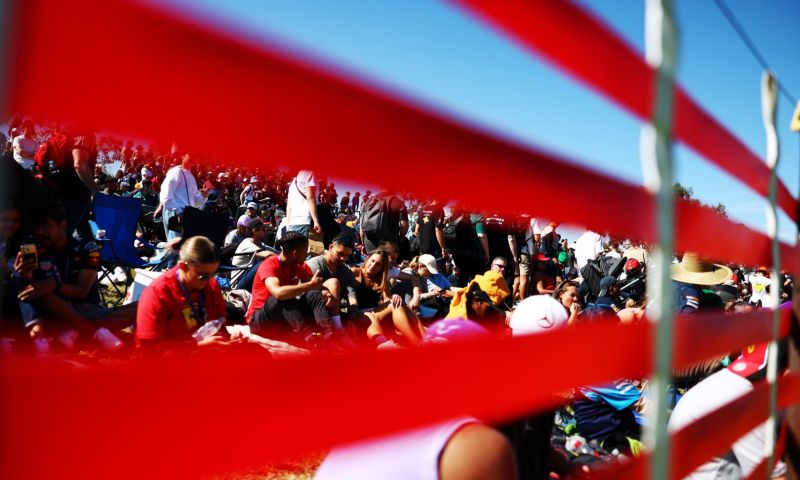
(349, 123)
(702, 336)
(266, 411)
(581, 45)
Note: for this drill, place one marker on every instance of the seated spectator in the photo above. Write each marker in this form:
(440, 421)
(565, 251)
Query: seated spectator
(543, 282)
(391, 320)
(252, 249)
(237, 235)
(250, 213)
(435, 288)
(58, 290)
(336, 276)
(182, 299)
(287, 295)
(566, 293)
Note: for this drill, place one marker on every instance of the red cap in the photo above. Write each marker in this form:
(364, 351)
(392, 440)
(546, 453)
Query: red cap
(752, 359)
(631, 264)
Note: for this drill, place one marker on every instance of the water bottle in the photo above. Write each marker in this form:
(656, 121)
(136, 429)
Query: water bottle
(208, 329)
(107, 340)
(574, 444)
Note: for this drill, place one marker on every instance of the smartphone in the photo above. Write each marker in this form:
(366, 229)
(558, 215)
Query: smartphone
(30, 253)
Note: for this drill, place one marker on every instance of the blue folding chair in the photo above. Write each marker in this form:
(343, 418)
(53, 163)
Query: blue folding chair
(118, 216)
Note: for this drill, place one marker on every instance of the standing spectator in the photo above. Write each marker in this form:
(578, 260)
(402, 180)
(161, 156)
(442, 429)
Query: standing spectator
(69, 172)
(355, 202)
(301, 206)
(25, 146)
(249, 191)
(587, 247)
(178, 191)
(383, 218)
(344, 202)
(429, 228)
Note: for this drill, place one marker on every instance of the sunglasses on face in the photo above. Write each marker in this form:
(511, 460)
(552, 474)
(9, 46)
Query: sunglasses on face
(206, 276)
(500, 266)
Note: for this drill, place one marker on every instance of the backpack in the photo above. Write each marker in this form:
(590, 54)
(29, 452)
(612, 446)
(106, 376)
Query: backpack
(375, 218)
(451, 230)
(51, 156)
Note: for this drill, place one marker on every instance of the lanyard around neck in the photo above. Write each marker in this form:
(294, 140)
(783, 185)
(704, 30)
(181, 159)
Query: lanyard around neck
(199, 310)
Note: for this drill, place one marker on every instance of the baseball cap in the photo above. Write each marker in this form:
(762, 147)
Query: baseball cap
(631, 264)
(430, 263)
(606, 283)
(221, 175)
(252, 205)
(541, 257)
(254, 179)
(254, 224)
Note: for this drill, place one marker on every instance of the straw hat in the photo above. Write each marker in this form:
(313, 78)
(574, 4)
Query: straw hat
(694, 270)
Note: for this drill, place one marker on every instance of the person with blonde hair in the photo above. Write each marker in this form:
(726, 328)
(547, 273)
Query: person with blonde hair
(182, 300)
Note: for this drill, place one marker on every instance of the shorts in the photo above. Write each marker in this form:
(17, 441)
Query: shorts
(523, 267)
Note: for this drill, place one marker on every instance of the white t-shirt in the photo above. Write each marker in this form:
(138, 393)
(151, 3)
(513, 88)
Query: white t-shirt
(587, 247)
(710, 394)
(22, 143)
(241, 257)
(759, 284)
(297, 202)
(408, 455)
(179, 190)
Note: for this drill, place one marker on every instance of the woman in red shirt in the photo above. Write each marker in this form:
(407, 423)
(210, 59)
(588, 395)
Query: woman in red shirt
(182, 300)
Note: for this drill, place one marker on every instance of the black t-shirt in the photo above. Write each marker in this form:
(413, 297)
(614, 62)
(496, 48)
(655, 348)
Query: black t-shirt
(497, 232)
(67, 183)
(430, 218)
(67, 264)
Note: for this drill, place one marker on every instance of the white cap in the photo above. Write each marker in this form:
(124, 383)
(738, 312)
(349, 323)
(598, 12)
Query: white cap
(429, 262)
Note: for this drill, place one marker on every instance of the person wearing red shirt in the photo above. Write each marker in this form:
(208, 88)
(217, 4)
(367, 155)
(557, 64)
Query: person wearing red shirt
(286, 295)
(182, 300)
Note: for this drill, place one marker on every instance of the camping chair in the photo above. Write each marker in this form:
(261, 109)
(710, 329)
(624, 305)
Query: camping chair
(118, 216)
(214, 227)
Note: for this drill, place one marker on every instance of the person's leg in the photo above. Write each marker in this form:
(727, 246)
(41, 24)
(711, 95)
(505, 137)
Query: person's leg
(165, 216)
(118, 318)
(316, 306)
(524, 273)
(477, 451)
(407, 324)
(74, 213)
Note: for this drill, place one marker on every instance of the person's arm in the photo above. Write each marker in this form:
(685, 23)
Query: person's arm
(440, 238)
(39, 288)
(243, 194)
(80, 160)
(512, 244)
(485, 245)
(312, 208)
(290, 291)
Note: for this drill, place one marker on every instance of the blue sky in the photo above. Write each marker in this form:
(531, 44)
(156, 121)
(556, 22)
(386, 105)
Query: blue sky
(442, 57)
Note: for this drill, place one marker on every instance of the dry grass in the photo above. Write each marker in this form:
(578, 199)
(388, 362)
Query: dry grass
(294, 469)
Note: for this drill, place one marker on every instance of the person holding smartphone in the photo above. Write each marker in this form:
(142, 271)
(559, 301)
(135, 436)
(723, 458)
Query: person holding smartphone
(182, 300)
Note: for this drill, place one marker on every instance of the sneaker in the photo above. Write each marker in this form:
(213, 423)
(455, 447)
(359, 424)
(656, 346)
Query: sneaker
(43, 347)
(107, 340)
(68, 338)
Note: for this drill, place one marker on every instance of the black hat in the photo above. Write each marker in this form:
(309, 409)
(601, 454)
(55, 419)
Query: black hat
(254, 224)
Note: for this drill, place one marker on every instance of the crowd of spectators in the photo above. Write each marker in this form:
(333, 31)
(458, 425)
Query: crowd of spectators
(303, 270)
